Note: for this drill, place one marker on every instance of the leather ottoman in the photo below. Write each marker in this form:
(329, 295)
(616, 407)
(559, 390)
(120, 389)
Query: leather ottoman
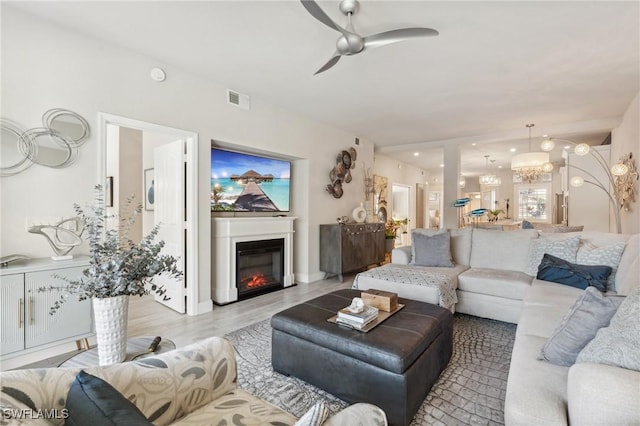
(392, 366)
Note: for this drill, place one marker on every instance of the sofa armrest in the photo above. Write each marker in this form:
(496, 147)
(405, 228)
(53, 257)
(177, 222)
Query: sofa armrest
(401, 255)
(163, 387)
(603, 394)
(358, 414)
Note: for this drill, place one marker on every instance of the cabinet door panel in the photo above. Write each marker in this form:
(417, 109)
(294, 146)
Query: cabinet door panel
(74, 318)
(12, 302)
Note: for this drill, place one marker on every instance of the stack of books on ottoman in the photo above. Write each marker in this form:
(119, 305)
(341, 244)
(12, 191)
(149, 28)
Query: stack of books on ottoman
(352, 318)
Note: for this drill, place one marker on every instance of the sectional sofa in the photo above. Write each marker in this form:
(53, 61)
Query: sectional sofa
(493, 276)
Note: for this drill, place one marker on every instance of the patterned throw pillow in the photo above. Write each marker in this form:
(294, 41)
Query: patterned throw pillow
(564, 248)
(315, 416)
(618, 343)
(610, 255)
(592, 311)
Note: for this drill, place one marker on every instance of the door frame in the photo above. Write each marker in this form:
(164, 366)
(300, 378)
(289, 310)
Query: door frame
(191, 159)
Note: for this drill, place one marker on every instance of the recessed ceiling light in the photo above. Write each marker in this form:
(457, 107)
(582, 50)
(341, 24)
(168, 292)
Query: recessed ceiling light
(474, 144)
(441, 165)
(157, 74)
(415, 154)
(513, 150)
(499, 167)
(567, 147)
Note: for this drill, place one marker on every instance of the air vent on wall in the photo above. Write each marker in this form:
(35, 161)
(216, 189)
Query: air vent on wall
(238, 99)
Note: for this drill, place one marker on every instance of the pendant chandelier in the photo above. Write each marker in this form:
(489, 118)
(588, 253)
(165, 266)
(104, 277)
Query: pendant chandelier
(488, 178)
(531, 165)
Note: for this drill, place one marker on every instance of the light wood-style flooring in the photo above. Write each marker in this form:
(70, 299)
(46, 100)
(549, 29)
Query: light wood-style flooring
(149, 318)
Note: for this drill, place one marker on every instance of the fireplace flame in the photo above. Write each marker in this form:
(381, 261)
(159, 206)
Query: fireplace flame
(257, 280)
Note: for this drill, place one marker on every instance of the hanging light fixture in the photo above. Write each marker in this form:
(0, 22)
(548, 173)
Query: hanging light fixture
(488, 178)
(530, 165)
(616, 174)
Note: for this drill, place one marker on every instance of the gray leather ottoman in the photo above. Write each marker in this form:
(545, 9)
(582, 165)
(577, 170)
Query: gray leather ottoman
(392, 366)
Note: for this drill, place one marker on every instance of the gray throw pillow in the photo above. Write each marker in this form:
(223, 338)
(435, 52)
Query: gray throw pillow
(433, 250)
(618, 343)
(592, 311)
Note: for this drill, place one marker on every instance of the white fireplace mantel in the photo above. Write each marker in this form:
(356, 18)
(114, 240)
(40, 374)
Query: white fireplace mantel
(227, 231)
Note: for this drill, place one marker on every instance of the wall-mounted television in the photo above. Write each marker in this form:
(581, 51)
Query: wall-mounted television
(242, 182)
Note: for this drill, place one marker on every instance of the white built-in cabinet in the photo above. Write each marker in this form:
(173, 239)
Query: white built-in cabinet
(26, 323)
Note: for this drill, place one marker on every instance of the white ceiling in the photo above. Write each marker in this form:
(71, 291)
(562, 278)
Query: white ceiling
(572, 68)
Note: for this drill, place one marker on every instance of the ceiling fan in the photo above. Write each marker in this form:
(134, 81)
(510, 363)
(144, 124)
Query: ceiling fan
(351, 43)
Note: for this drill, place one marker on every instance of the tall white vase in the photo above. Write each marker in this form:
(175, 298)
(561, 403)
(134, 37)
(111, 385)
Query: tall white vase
(110, 315)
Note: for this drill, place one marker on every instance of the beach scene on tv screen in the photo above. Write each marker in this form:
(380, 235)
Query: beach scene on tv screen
(248, 183)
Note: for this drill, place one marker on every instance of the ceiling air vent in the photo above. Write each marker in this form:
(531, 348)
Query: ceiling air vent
(238, 99)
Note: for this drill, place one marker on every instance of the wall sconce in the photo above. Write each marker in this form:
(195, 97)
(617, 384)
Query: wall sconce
(462, 182)
(620, 180)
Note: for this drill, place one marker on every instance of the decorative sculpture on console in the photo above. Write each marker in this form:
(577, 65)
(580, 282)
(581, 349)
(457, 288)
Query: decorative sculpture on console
(62, 237)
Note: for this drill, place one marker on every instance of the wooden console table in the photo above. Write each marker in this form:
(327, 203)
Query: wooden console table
(350, 247)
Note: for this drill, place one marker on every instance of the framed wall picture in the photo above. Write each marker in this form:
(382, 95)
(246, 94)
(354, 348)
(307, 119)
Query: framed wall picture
(149, 189)
(108, 192)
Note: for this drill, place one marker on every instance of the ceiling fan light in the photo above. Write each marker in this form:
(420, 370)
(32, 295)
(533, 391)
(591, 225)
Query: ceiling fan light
(547, 145)
(619, 169)
(582, 149)
(547, 167)
(576, 181)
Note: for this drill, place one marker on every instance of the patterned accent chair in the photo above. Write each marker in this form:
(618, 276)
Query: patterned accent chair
(194, 385)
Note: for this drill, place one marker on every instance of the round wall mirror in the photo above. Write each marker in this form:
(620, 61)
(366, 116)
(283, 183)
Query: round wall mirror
(68, 123)
(54, 150)
(16, 149)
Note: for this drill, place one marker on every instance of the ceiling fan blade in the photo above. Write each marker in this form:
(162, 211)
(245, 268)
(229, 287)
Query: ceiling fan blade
(394, 36)
(315, 11)
(334, 60)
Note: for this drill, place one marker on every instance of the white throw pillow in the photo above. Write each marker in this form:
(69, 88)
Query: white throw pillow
(564, 248)
(618, 343)
(589, 254)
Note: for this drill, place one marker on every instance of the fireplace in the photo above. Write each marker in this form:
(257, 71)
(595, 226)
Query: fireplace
(259, 267)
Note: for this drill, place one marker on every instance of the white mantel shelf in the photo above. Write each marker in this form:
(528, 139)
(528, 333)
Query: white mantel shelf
(226, 232)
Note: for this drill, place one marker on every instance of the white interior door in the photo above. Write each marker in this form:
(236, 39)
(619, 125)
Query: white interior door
(169, 165)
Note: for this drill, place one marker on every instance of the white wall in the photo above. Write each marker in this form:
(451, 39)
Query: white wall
(404, 175)
(625, 139)
(45, 66)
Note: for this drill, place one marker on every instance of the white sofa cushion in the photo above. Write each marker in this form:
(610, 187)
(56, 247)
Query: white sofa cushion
(629, 267)
(461, 245)
(504, 250)
(536, 390)
(494, 282)
(427, 284)
(586, 383)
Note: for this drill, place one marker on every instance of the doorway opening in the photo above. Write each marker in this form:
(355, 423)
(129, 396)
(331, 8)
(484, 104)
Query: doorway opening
(137, 173)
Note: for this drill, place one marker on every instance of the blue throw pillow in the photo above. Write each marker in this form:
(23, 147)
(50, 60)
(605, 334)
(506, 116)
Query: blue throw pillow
(92, 401)
(560, 271)
(527, 225)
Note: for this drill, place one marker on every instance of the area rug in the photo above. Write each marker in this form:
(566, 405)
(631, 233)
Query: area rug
(471, 390)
